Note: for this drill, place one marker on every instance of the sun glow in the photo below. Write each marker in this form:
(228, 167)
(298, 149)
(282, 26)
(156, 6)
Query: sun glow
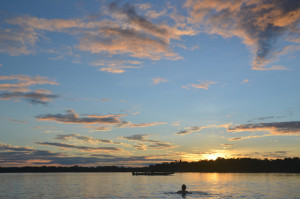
(205, 156)
(214, 156)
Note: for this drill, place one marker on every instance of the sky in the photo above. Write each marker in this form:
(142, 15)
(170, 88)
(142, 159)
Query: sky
(133, 83)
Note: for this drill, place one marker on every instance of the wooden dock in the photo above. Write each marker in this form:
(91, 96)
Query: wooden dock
(151, 173)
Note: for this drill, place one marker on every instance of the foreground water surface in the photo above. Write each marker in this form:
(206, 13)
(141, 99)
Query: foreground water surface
(124, 185)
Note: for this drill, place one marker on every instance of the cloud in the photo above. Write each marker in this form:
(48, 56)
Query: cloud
(269, 155)
(274, 128)
(264, 118)
(99, 128)
(189, 130)
(159, 80)
(127, 41)
(17, 121)
(193, 129)
(32, 97)
(83, 148)
(148, 143)
(204, 85)
(140, 147)
(117, 66)
(130, 125)
(23, 82)
(245, 81)
(161, 146)
(226, 146)
(132, 34)
(72, 117)
(176, 123)
(133, 18)
(138, 137)
(143, 160)
(21, 90)
(153, 14)
(21, 155)
(82, 138)
(274, 67)
(260, 24)
(248, 137)
(7, 147)
(24, 156)
(89, 120)
(17, 41)
(120, 30)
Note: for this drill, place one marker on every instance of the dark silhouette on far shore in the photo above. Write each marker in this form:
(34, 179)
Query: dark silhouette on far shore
(242, 165)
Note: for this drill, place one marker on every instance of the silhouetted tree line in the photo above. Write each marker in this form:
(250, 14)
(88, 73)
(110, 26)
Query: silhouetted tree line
(287, 165)
(32, 169)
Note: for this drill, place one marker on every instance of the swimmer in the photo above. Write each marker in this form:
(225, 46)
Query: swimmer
(183, 190)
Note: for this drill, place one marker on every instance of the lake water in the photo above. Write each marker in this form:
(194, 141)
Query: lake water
(124, 185)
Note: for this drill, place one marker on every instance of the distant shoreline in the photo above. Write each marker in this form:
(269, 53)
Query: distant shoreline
(220, 165)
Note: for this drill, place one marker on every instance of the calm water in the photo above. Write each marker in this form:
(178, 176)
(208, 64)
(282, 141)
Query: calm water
(124, 185)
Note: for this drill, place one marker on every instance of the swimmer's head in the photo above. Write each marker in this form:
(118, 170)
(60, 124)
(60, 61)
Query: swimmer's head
(183, 187)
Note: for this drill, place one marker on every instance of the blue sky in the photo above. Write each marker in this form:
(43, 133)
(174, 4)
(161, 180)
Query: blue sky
(139, 82)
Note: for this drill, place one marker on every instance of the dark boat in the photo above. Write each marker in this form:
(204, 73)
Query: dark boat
(151, 173)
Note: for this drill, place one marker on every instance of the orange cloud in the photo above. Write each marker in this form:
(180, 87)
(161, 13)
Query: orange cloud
(72, 117)
(159, 80)
(125, 33)
(24, 82)
(274, 128)
(204, 85)
(83, 148)
(144, 124)
(190, 130)
(117, 66)
(258, 23)
(21, 90)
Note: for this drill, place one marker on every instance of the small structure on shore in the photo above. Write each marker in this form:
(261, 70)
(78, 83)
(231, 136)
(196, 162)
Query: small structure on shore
(151, 173)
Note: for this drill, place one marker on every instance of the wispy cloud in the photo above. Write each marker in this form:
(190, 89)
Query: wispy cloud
(189, 130)
(258, 23)
(23, 82)
(274, 128)
(122, 30)
(270, 155)
(98, 128)
(193, 129)
(83, 148)
(21, 90)
(14, 120)
(148, 143)
(17, 155)
(83, 138)
(204, 85)
(130, 125)
(8, 147)
(248, 137)
(245, 81)
(117, 66)
(32, 97)
(72, 117)
(159, 80)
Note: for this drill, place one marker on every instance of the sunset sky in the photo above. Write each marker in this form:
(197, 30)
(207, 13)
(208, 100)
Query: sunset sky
(139, 82)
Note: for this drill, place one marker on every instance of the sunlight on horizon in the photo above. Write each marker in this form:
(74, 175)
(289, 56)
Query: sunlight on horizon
(214, 156)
